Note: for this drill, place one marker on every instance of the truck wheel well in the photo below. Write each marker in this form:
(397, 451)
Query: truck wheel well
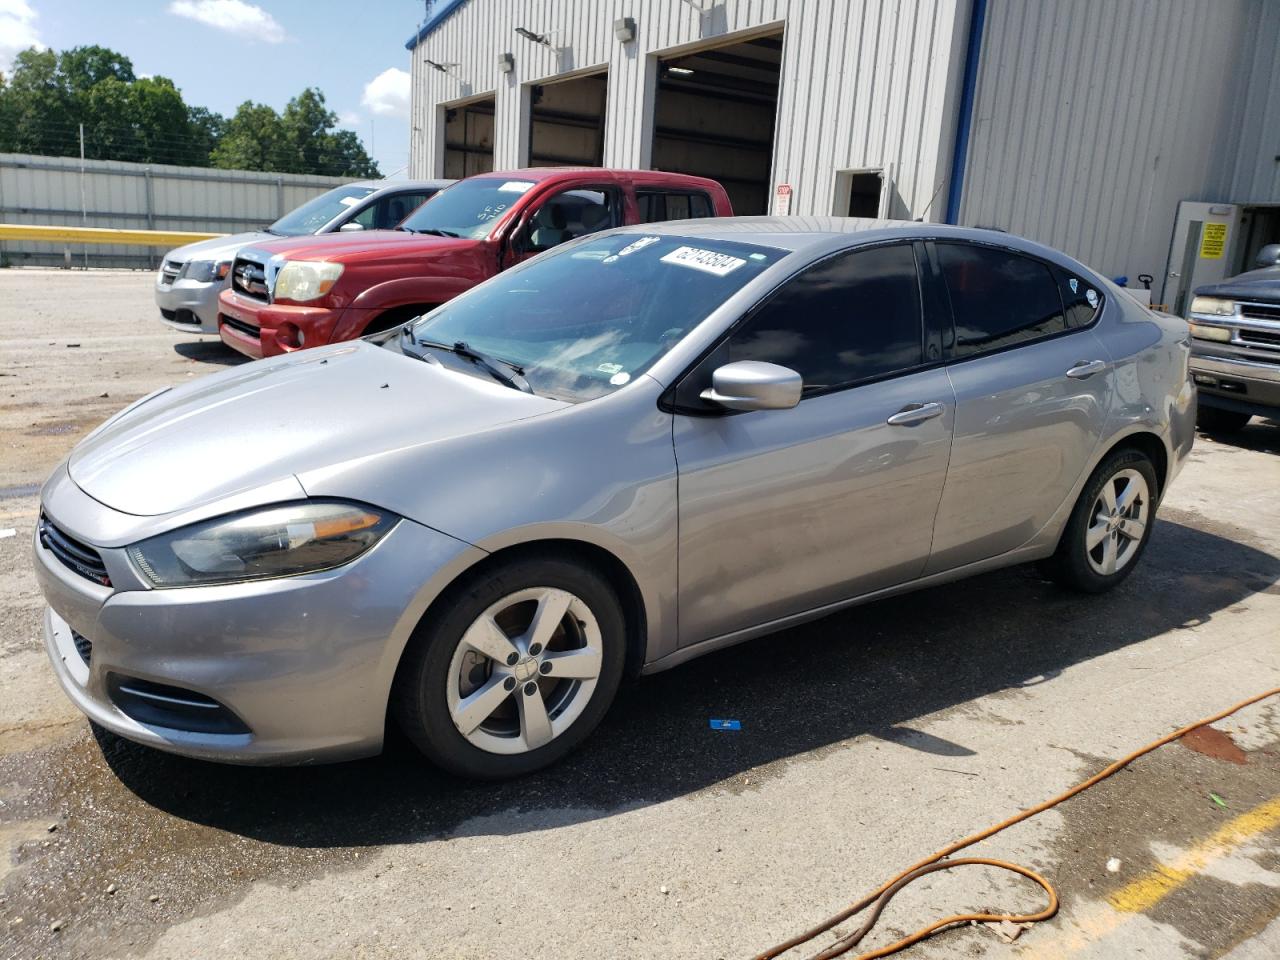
(396, 316)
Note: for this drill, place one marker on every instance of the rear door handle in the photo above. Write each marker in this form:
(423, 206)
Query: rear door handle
(1084, 369)
(914, 413)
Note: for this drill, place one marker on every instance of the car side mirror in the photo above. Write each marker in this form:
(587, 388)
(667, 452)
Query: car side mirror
(1268, 256)
(754, 385)
(351, 227)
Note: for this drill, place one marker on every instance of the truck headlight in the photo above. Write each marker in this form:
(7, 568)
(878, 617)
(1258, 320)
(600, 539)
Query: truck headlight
(303, 280)
(207, 271)
(1203, 331)
(279, 541)
(1213, 306)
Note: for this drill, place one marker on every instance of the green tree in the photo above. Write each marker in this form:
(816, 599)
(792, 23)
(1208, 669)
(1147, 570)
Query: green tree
(302, 140)
(40, 108)
(254, 139)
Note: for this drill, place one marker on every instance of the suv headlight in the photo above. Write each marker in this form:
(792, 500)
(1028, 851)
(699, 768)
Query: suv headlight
(279, 541)
(303, 280)
(1213, 306)
(207, 271)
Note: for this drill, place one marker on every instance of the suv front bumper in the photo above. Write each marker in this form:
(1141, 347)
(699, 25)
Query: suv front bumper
(1233, 383)
(260, 329)
(189, 305)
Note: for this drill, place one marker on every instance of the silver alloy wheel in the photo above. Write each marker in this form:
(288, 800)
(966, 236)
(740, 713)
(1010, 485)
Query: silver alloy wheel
(524, 670)
(1117, 522)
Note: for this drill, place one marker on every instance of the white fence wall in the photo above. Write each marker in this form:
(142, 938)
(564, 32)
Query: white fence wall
(138, 196)
(864, 83)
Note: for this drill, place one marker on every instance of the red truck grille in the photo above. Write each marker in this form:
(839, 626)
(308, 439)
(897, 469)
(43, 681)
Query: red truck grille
(250, 278)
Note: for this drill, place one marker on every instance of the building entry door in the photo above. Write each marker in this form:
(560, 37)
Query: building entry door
(1204, 237)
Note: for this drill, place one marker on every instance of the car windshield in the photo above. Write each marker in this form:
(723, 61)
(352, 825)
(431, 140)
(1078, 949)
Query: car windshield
(469, 208)
(585, 320)
(315, 213)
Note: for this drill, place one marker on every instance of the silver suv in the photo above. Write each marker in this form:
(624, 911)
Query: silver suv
(191, 277)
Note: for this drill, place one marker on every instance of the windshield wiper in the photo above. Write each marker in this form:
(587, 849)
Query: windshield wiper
(515, 380)
(433, 231)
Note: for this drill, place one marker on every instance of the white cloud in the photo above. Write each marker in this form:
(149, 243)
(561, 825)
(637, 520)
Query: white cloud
(17, 31)
(234, 16)
(349, 119)
(387, 94)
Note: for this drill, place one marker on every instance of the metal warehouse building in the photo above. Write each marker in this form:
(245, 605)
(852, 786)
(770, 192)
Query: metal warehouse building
(1142, 136)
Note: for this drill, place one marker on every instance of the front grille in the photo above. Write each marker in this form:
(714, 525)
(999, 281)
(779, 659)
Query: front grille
(175, 708)
(248, 329)
(84, 647)
(249, 278)
(170, 272)
(1260, 311)
(1265, 338)
(71, 553)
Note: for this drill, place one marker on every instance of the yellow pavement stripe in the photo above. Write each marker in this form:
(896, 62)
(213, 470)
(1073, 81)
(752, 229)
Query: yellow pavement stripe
(1093, 923)
(146, 238)
(1145, 892)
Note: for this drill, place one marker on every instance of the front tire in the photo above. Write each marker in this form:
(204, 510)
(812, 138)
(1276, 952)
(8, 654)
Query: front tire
(513, 669)
(1110, 526)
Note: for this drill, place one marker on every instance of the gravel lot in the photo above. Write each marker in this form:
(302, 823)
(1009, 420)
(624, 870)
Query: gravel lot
(868, 740)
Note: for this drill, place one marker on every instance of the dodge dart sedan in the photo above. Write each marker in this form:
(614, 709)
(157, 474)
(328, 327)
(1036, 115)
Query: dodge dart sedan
(645, 445)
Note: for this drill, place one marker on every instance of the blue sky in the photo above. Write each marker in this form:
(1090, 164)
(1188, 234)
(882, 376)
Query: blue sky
(223, 52)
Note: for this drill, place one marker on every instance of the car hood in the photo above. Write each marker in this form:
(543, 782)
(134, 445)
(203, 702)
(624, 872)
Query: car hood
(277, 418)
(1261, 284)
(362, 244)
(218, 248)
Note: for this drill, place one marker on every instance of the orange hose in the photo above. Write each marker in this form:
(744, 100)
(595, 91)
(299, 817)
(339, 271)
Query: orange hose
(880, 897)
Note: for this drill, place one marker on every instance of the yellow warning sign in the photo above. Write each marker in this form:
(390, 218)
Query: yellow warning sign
(1213, 241)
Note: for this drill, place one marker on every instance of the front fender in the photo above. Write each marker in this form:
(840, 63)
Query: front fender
(404, 291)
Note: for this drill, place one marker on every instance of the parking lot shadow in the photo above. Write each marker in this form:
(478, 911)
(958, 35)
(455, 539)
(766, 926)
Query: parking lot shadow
(870, 670)
(1260, 435)
(209, 351)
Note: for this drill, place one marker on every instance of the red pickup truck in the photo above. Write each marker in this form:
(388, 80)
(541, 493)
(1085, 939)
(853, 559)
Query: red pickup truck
(305, 291)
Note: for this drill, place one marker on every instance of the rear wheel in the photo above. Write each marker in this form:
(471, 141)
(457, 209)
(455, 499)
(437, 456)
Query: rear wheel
(519, 667)
(1217, 420)
(1110, 525)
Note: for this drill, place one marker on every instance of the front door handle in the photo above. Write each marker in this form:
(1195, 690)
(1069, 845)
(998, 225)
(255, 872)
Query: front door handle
(1084, 369)
(914, 413)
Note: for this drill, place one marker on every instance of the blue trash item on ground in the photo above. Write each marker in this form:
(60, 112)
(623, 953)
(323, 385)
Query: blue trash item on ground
(726, 724)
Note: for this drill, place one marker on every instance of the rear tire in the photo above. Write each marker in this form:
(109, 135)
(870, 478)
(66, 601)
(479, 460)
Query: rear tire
(1217, 420)
(513, 668)
(1109, 527)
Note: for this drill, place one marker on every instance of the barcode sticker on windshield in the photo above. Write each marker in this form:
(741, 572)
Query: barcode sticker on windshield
(708, 261)
(349, 201)
(515, 186)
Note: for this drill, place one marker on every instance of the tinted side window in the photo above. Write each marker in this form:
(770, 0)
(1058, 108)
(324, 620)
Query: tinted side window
(1080, 299)
(853, 317)
(655, 207)
(998, 298)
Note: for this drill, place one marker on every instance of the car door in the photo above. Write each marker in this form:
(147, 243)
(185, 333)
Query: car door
(1032, 383)
(783, 511)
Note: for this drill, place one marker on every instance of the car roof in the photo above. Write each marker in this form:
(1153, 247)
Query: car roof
(398, 185)
(543, 174)
(800, 233)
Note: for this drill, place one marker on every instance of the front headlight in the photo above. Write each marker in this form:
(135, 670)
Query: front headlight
(207, 271)
(279, 541)
(303, 280)
(1213, 306)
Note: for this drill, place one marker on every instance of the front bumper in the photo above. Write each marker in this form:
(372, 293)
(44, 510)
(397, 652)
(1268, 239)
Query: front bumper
(189, 305)
(304, 663)
(1234, 383)
(260, 329)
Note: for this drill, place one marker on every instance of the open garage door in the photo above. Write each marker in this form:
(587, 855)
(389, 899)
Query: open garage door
(566, 122)
(468, 138)
(715, 115)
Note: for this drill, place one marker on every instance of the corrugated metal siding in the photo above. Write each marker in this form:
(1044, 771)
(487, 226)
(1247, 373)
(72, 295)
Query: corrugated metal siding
(864, 83)
(46, 190)
(1094, 118)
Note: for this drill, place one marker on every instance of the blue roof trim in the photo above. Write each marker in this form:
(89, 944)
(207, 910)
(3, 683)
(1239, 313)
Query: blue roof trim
(430, 24)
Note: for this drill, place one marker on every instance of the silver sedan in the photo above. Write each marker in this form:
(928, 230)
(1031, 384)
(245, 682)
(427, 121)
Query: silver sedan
(645, 445)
